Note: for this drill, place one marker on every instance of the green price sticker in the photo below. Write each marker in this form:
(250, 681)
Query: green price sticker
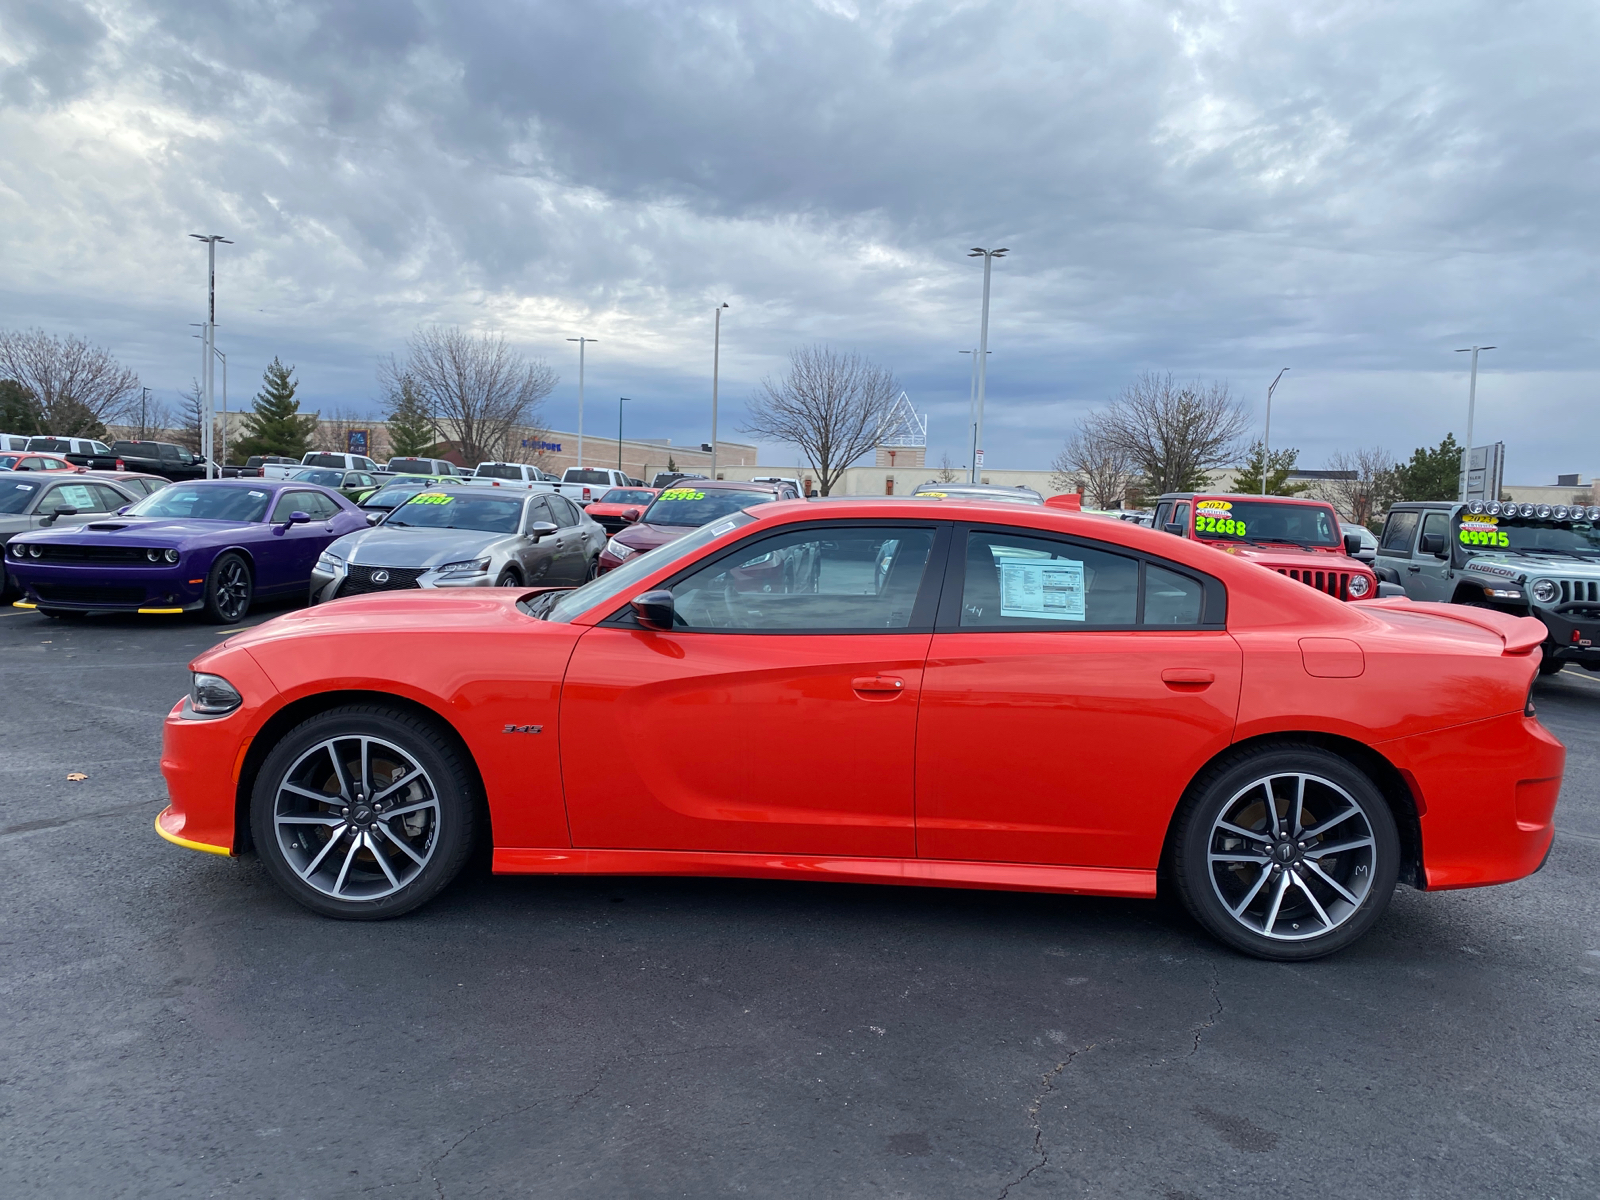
(431, 498)
(682, 494)
(1224, 525)
(1483, 537)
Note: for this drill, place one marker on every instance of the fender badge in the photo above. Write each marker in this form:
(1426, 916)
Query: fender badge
(523, 729)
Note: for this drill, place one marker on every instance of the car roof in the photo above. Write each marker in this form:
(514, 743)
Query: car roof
(1242, 496)
(728, 485)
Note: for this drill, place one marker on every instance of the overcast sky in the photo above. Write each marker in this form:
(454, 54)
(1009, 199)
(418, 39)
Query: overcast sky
(1353, 190)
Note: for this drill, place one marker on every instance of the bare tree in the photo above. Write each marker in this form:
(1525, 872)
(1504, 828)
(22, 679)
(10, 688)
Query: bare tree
(78, 386)
(333, 430)
(1173, 434)
(191, 418)
(834, 406)
(149, 420)
(1370, 488)
(478, 389)
(1095, 460)
(947, 470)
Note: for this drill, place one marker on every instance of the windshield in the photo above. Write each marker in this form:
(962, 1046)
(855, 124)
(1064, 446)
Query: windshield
(1265, 521)
(563, 606)
(460, 510)
(412, 466)
(1529, 535)
(205, 502)
(321, 478)
(627, 496)
(692, 507)
(15, 495)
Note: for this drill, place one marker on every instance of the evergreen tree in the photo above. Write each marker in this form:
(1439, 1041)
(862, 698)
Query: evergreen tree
(276, 426)
(410, 427)
(1279, 465)
(19, 409)
(1431, 474)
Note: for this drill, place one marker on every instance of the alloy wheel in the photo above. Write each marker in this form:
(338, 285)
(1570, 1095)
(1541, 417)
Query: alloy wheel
(233, 589)
(357, 817)
(1292, 856)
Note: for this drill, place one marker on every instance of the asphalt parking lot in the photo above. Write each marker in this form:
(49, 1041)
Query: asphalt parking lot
(174, 1026)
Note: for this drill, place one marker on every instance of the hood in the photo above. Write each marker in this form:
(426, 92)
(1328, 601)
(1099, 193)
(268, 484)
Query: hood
(1295, 557)
(143, 531)
(398, 546)
(1515, 566)
(648, 537)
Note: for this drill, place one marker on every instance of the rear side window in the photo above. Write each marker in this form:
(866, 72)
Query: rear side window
(325, 460)
(499, 471)
(576, 476)
(566, 514)
(1399, 531)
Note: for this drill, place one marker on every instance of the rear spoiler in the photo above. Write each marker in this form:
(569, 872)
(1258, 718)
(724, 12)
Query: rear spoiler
(1520, 635)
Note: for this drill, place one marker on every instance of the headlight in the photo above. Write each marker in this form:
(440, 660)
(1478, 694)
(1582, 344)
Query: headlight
(18, 550)
(35, 551)
(1360, 585)
(617, 550)
(153, 555)
(170, 555)
(472, 566)
(330, 562)
(1545, 590)
(1561, 512)
(212, 694)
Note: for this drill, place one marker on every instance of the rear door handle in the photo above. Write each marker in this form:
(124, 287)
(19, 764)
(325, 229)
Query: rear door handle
(878, 684)
(1191, 677)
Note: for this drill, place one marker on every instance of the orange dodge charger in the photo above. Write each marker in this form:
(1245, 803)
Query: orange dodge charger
(963, 693)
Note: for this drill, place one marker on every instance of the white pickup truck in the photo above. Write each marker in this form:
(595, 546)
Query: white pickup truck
(319, 458)
(583, 486)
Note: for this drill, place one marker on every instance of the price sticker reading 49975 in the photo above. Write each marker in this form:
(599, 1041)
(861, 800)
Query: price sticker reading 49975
(1482, 531)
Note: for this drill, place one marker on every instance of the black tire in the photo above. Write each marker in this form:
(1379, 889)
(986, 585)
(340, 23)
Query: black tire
(299, 861)
(229, 589)
(594, 569)
(1262, 926)
(1549, 666)
(508, 578)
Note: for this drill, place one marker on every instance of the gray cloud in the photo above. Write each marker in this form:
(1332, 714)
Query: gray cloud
(1351, 189)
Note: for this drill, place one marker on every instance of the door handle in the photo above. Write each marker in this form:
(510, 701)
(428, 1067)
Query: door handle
(1413, 566)
(1188, 677)
(878, 684)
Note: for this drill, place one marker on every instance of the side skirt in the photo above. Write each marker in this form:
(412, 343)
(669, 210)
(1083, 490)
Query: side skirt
(1018, 877)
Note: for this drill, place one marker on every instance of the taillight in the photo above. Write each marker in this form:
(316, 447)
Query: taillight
(585, 493)
(121, 466)
(1528, 709)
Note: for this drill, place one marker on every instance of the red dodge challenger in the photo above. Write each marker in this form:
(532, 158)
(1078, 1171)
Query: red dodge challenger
(975, 694)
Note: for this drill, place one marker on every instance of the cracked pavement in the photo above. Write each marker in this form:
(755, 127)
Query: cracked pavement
(173, 1025)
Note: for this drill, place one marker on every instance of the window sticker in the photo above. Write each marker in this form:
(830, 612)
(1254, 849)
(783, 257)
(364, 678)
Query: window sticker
(25, 487)
(718, 530)
(1050, 591)
(682, 494)
(431, 498)
(1220, 505)
(1482, 531)
(77, 496)
(257, 494)
(1218, 523)
(941, 495)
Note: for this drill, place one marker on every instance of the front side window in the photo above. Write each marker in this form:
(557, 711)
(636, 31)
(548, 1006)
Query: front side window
(1398, 531)
(290, 502)
(203, 502)
(1435, 523)
(839, 578)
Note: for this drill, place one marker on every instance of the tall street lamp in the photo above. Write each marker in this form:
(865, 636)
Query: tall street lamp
(209, 371)
(1472, 404)
(716, 365)
(988, 257)
(582, 342)
(1266, 438)
(972, 404)
(620, 401)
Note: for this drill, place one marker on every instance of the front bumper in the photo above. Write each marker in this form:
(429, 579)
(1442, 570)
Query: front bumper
(97, 588)
(1574, 637)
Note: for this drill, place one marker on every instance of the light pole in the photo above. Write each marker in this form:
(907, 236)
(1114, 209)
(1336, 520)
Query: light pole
(972, 400)
(988, 257)
(209, 371)
(144, 395)
(1266, 438)
(620, 401)
(1472, 404)
(716, 367)
(582, 342)
(222, 457)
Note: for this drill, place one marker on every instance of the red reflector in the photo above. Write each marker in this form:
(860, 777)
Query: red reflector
(1576, 636)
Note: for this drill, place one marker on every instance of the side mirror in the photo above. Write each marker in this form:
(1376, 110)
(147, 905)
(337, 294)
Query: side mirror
(123, 510)
(374, 518)
(632, 514)
(1352, 544)
(1433, 543)
(299, 518)
(1175, 529)
(541, 529)
(653, 610)
(60, 511)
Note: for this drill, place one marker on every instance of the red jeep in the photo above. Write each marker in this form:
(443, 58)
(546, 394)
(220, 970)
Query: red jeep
(1294, 537)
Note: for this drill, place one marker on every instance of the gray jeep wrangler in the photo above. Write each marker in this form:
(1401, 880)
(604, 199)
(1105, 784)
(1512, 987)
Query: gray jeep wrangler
(1535, 560)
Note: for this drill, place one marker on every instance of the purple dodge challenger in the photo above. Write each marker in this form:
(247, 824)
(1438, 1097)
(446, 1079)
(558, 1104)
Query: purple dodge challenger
(211, 546)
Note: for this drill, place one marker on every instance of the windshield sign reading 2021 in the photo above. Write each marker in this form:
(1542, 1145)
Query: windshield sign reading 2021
(1216, 516)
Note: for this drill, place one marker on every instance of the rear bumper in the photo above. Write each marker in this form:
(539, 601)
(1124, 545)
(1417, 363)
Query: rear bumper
(1572, 639)
(1486, 796)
